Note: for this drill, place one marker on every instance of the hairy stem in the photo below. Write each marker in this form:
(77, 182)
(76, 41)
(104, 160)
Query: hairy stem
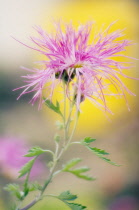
(66, 142)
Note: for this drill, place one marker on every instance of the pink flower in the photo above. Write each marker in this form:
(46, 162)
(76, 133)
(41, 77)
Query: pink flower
(12, 159)
(89, 69)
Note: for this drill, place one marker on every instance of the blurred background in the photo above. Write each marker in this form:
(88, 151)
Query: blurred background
(116, 188)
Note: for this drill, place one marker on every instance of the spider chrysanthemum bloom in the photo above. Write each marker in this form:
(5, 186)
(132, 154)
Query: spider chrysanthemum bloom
(89, 68)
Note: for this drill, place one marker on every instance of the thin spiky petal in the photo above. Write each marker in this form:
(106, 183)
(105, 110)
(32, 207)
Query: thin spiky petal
(90, 68)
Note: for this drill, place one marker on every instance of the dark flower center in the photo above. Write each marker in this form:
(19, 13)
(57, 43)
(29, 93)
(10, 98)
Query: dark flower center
(65, 76)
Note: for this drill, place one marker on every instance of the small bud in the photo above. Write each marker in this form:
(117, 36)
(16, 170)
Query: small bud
(57, 138)
(82, 98)
(50, 164)
(59, 125)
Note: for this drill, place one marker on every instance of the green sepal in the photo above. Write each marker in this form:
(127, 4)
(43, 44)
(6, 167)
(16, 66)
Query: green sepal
(26, 168)
(66, 195)
(14, 190)
(35, 151)
(55, 108)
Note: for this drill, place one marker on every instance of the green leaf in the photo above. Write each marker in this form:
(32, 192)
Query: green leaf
(87, 141)
(98, 151)
(109, 161)
(71, 163)
(79, 173)
(14, 190)
(75, 206)
(26, 168)
(35, 151)
(81, 170)
(67, 196)
(52, 106)
(83, 176)
(35, 186)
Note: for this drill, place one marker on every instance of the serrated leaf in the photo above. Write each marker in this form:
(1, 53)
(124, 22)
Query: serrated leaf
(98, 151)
(26, 168)
(14, 190)
(81, 170)
(35, 186)
(79, 173)
(76, 206)
(71, 163)
(35, 151)
(83, 176)
(52, 106)
(109, 161)
(87, 140)
(67, 196)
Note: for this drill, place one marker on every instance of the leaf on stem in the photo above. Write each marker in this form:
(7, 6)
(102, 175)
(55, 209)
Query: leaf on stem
(78, 171)
(71, 163)
(99, 152)
(26, 168)
(14, 190)
(35, 151)
(55, 108)
(66, 197)
(35, 186)
(87, 141)
(76, 206)
(109, 161)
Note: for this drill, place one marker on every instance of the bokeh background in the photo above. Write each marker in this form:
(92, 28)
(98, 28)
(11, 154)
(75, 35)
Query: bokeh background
(116, 188)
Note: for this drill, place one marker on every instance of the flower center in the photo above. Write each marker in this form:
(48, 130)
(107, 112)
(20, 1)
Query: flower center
(65, 76)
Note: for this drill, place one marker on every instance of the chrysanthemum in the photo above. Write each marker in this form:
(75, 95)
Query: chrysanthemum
(87, 66)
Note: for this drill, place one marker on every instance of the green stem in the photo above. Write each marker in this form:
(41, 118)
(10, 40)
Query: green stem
(57, 156)
(74, 128)
(64, 114)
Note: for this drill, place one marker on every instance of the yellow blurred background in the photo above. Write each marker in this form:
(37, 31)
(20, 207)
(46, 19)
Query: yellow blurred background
(118, 134)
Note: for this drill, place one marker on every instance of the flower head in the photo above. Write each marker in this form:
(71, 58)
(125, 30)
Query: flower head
(89, 68)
